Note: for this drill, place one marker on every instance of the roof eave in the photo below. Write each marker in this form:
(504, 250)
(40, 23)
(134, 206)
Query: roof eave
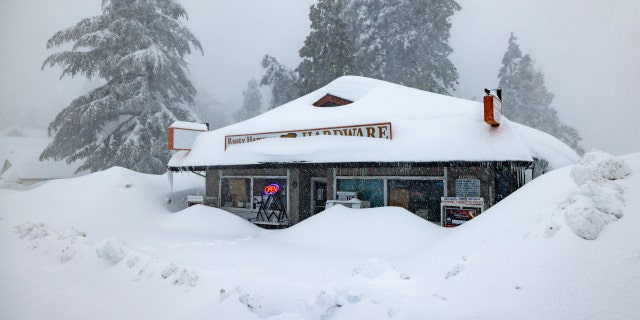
(263, 165)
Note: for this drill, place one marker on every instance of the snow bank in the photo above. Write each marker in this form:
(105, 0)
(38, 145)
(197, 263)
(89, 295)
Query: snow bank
(209, 222)
(377, 268)
(597, 166)
(592, 206)
(531, 252)
(107, 240)
(122, 202)
(598, 200)
(376, 232)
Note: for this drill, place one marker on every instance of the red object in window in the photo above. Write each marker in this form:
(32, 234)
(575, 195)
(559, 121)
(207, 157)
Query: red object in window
(271, 189)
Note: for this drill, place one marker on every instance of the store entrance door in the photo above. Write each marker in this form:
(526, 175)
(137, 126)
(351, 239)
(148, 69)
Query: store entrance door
(318, 194)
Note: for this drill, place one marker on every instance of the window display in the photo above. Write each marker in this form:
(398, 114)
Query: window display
(247, 192)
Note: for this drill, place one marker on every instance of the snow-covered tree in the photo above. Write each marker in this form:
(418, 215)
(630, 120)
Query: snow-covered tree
(418, 46)
(525, 98)
(137, 47)
(282, 81)
(327, 49)
(368, 24)
(251, 103)
(402, 41)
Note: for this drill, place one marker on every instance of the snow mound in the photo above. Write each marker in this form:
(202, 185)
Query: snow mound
(211, 222)
(65, 242)
(597, 165)
(112, 250)
(377, 268)
(597, 200)
(375, 232)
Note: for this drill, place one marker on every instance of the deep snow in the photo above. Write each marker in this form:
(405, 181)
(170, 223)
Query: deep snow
(426, 127)
(106, 246)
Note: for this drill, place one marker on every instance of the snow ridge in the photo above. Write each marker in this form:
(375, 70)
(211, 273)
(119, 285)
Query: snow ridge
(115, 251)
(67, 244)
(41, 238)
(598, 199)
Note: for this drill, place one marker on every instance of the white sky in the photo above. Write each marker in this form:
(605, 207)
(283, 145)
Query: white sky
(588, 51)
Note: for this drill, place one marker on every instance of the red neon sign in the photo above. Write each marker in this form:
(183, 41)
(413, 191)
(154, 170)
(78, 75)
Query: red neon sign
(271, 189)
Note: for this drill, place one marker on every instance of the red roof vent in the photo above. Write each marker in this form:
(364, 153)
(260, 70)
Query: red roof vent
(331, 101)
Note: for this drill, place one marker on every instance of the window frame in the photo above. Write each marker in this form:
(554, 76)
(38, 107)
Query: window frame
(251, 188)
(385, 183)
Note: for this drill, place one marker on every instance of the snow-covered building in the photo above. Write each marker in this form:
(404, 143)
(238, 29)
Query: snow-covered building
(20, 166)
(364, 142)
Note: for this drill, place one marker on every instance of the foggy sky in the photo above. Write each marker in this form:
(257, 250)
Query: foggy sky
(588, 50)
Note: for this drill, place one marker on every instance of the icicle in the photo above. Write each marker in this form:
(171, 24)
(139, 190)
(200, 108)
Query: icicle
(170, 177)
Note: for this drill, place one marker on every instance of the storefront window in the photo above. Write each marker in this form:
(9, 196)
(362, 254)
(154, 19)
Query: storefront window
(247, 193)
(258, 189)
(368, 189)
(235, 192)
(421, 197)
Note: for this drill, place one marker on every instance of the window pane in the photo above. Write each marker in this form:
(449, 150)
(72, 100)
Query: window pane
(258, 189)
(421, 197)
(235, 192)
(368, 189)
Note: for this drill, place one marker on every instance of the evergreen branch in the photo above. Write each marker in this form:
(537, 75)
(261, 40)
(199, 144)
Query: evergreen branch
(97, 39)
(85, 26)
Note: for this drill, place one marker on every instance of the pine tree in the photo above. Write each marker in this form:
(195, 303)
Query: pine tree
(137, 47)
(251, 103)
(368, 24)
(403, 41)
(282, 82)
(418, 46)
(525, 97)
(326, 52)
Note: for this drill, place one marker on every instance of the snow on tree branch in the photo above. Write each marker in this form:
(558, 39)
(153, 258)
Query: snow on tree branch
(138, 48)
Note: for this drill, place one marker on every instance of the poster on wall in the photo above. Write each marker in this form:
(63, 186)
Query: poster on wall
(458, 210)
(467, 187)
(455, 216)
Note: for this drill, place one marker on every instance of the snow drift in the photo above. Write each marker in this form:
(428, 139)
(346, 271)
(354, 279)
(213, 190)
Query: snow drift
(75, 248)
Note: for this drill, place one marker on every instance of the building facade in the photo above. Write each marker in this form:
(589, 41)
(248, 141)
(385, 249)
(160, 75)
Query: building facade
(363, 143)
(417, 187)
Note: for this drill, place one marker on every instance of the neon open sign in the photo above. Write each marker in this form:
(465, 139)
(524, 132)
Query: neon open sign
(271, 189)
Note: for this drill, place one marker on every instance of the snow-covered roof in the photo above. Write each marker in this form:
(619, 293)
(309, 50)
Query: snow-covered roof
(189, 125)
(19, 161)
(426, 127)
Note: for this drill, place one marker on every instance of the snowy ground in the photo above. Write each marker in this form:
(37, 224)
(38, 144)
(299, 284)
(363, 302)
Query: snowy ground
(105, 246)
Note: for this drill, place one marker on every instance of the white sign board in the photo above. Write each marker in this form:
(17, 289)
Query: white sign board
(182, 138)
(497, 109)
(374, 130)
(462, 201)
